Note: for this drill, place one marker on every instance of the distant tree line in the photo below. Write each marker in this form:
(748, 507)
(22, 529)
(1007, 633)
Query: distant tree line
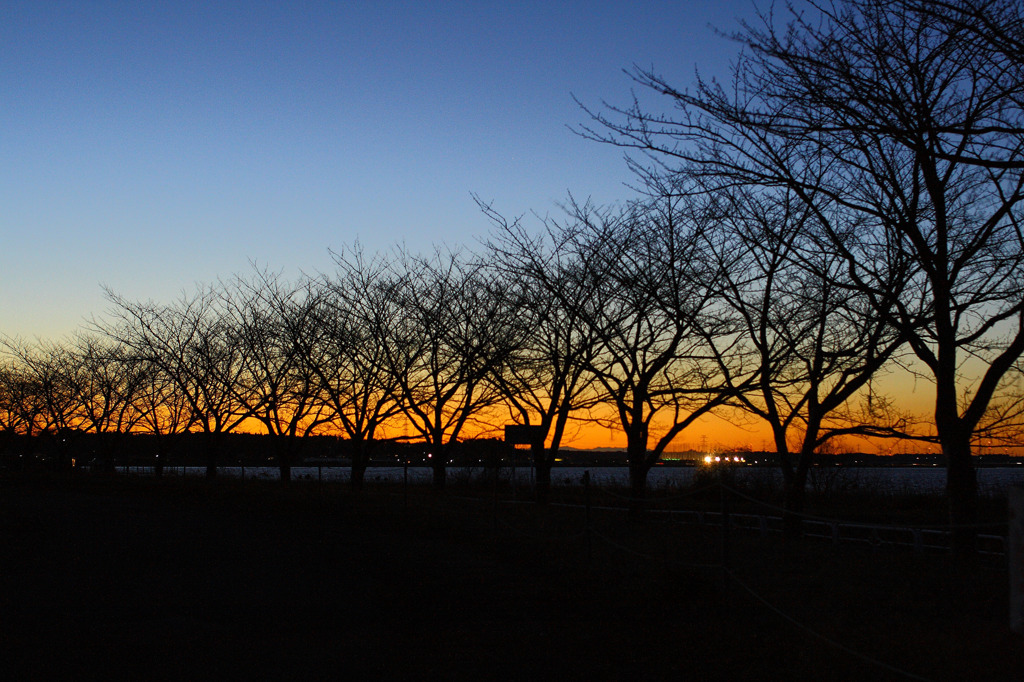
(848, 205)
(134, 451)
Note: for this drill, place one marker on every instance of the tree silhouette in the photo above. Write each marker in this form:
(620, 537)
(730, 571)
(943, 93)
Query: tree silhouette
(901, 130)
(165, 412)
(107, 382)
(815, 336)
(21, 406)
(546, 378)
(193, 345)
(663, 352)
(450, 337)
(46, 385)
(273, 321)
(355, 321)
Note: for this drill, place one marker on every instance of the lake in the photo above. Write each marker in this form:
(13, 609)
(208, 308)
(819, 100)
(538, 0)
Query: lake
(991, 480)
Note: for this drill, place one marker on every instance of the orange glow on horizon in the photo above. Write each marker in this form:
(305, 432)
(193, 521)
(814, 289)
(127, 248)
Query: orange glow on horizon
(721, 431)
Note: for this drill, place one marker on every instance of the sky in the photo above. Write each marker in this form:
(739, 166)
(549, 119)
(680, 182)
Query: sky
(149, 146)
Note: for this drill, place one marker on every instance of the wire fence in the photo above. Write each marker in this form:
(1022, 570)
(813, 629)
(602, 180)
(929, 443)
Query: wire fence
(919, 538)
(767, 519)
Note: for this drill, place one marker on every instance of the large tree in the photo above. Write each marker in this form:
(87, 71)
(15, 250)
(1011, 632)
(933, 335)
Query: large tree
(815, 337)
(193, 344)
(349, 350)
(451, 334)
(274, 321)
(666, 351)
(901, 126)
(546, 378)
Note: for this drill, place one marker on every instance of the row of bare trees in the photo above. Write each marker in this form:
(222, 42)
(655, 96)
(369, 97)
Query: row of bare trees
(643, 318)
(684, 306)
(848, 204)
(893, 133)
(387, 344)
(384, 341)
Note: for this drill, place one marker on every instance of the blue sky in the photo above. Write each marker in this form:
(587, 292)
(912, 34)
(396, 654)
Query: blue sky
(150, 146)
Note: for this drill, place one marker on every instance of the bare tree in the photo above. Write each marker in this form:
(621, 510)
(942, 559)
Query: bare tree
(451, 334)
(902, 131)
(108, 380)
(9, 419)
(17, 416)
(192, 343)
(815, 336)
(21, 409)
(666, 350)
(165, 412)
(273, 321)
(546, 378)
(355, 322)
(49, 388)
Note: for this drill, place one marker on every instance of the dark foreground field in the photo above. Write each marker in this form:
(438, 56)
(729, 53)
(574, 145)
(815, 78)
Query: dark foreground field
(138, 579)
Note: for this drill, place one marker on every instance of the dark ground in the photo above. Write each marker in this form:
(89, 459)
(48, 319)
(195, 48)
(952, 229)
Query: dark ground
(140, 579)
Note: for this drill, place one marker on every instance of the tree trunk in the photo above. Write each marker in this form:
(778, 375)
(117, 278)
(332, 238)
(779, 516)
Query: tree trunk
(637, 489)
(794, 496)
(162, 453)
(440, 475)
(439, 461)
(360, 461)
(542, 462)
(211, 455)
(283, 453)
(65, 443)
(961, 491)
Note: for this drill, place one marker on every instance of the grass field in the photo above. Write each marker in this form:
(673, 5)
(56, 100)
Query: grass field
(116, 578)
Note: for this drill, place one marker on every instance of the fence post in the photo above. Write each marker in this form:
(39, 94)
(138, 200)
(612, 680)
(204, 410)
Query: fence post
(726, 540)
(494, 509)
(1016, 558)
(586, 502)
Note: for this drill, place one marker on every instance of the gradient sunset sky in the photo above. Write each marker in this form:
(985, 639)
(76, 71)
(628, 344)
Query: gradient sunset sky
(152, 145)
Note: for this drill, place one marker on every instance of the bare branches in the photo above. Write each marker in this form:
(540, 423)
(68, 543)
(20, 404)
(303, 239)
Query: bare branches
(900, 128)
(194, 345)
(452, 332)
